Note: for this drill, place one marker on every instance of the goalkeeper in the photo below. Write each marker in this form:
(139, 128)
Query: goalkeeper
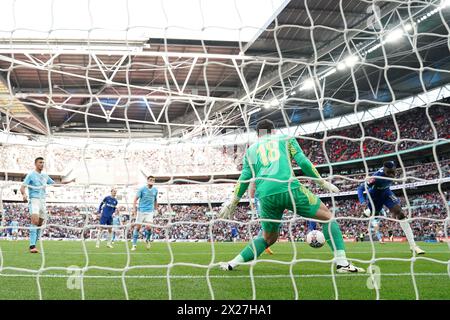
(268, 162)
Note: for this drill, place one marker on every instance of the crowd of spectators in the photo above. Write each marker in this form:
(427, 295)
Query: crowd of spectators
(194, 222)
(412, 125)
(215, 192)
(190, 158)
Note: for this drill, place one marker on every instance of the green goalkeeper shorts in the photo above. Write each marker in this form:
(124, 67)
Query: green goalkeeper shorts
(303, 200)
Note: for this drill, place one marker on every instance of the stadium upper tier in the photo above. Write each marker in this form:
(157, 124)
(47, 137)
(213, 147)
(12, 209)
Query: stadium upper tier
(109, 163)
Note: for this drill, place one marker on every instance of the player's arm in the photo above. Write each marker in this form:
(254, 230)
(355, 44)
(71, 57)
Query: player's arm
(307, 167)
(26, 182)
(251, 194)
(239, 190)
(51, 181)
(361, 189)
(136, 198)
(156, 201)
(101, 206)
(252, 190)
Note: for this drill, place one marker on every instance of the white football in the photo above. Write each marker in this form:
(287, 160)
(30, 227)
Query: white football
(315, 239)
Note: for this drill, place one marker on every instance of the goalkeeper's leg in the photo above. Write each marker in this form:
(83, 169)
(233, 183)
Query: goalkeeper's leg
(268, 250)
(272, 207)
(253, 250)
(309, 205)
(335, 241)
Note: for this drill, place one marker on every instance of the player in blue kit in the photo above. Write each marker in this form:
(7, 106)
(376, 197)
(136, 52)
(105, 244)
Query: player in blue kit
(107, 209)
(148, 204)
(312, 225)
(378, 188)
(234, 234)
(36, 181)
(14, 229)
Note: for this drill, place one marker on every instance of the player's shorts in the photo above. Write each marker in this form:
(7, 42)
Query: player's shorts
(374, 223)
(38, 206)
(105, 220)
(382, 198)
(303, 202)
(144, 217)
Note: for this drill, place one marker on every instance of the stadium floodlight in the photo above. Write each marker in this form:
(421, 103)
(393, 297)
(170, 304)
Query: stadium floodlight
(444, 4)
(407, 27)
(328, 73)
(351, 61)
(254, 111)
(394, 35)
(341, 66)
(308, 84)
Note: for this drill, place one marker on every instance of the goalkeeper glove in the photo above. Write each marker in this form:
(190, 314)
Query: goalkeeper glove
(328, 186)
(228, 208)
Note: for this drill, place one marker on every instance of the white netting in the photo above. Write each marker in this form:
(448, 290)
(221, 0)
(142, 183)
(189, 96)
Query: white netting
(102, 105)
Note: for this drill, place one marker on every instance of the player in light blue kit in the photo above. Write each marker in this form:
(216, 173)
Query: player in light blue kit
(148, 204)
(378, 189)
(14, 229)
(117, 222)
(107, 209)
(36, 181)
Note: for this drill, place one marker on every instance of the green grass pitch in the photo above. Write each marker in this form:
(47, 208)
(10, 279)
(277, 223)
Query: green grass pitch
(313, 280)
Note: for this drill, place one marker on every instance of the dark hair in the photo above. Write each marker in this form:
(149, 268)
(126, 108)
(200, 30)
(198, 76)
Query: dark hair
(264, 127)
(37, 159)
(150, 177)
(389, 164)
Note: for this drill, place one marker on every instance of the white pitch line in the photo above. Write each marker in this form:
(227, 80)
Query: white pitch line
(149, 253)
(431, 274)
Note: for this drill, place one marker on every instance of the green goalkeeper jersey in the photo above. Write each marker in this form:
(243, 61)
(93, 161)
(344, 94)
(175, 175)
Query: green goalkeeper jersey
(269, 161)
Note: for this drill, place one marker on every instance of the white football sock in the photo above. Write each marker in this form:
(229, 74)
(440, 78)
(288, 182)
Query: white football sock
(341, 258)
(408, 233)
(237, 260)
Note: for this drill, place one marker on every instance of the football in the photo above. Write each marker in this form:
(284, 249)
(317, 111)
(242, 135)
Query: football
(315, 239)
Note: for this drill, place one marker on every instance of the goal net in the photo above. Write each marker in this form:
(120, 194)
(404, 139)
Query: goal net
(109, 94)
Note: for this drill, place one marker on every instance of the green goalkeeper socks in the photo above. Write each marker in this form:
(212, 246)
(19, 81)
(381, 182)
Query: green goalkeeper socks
(335, 234)
(248, 253)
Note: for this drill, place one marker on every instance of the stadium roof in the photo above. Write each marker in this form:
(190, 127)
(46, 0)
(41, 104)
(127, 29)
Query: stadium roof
(289, 69)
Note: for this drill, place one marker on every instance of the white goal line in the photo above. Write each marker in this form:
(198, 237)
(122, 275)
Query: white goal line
(423, 274)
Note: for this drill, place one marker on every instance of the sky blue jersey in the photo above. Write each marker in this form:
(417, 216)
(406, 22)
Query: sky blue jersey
(36, 183)
(147, 198)
(116, 221)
